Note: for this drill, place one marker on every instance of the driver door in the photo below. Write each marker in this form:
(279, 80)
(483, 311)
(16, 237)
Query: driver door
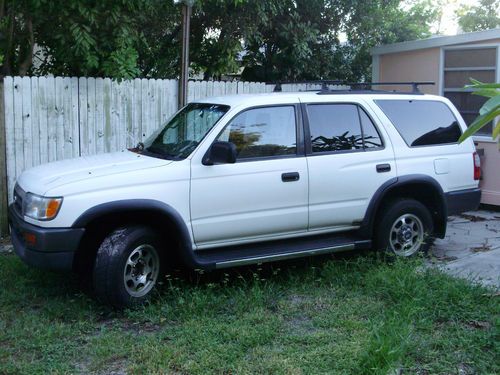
(264, 194)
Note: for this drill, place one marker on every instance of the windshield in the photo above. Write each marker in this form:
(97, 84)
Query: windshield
(180, 136)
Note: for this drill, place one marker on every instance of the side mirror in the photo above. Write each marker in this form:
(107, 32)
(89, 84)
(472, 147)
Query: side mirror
(220, 153)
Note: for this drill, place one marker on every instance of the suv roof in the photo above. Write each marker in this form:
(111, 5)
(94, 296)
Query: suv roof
(311, 96)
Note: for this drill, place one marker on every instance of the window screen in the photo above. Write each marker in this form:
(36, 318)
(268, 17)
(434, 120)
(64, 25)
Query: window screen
(263, 132)
(422, 122)
(459, 66)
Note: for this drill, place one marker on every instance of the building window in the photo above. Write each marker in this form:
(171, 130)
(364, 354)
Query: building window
(461, 64)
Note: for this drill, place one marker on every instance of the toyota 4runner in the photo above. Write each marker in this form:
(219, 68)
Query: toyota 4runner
(247, 179)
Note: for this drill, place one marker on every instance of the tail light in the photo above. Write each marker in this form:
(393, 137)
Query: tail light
(477, 166)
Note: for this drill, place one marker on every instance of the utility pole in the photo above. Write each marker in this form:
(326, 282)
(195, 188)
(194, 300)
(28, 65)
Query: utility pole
(187, 6)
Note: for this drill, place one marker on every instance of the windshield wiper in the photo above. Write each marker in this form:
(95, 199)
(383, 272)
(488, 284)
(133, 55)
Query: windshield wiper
(160, 151)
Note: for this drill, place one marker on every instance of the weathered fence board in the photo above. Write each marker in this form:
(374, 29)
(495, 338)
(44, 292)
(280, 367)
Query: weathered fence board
(18, 126)
(54, 118)
(35, 122)
(10, 149)
(3, 167)
(42, 119)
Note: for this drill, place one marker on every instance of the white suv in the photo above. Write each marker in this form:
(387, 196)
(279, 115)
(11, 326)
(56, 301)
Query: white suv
(251, 178)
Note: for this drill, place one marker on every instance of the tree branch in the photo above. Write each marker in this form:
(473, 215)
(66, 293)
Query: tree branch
(7, 59)
(27, 61)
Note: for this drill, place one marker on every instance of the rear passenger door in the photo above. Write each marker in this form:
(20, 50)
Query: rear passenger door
(349, 157)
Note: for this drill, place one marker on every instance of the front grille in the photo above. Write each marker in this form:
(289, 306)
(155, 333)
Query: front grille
(18, 199)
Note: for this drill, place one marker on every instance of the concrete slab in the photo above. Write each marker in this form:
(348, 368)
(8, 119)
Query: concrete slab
(471, 248)
(483, 268)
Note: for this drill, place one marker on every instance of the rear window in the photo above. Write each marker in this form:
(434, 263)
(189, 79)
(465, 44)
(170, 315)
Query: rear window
(422, 122)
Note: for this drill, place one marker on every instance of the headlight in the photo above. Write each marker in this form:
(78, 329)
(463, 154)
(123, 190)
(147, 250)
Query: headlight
(41, 208)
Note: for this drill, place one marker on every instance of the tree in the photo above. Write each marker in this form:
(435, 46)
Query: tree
(73, 37)
(17, 38)
(483, 16)
(293, 40)
(217, 31)
(159, 47)
(279, 45)
(373, 23)
(272, 39)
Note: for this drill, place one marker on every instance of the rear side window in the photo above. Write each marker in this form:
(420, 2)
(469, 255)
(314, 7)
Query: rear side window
(422, 122)
(263, 132)
(341, 127)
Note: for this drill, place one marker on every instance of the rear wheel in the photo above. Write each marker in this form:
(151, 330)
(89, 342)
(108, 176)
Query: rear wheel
(405, 228)
(127, 266)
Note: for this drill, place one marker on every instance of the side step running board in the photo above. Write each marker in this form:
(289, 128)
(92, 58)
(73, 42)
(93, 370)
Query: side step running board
(283, 256)
(278, 250)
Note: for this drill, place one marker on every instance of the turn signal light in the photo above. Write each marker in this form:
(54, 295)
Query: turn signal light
(52, 208)
(29, 239)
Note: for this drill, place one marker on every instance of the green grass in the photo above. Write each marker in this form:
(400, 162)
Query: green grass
(358, 315)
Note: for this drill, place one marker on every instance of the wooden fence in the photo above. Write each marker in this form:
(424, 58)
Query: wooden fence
(44, 119)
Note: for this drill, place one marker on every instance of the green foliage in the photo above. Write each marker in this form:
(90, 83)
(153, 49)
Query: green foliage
(488, 112)
(91, 38)
(17, 35)
(73, 37)
(373, 23)
(294, 40)
(216, 33)
(484, 16)
(281, 40)
(159, 47)
(271, 40)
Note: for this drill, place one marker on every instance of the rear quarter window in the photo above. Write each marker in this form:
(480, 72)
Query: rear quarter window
(422, 122)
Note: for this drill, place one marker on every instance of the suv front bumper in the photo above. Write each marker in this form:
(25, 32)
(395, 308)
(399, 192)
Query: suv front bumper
(47, 248)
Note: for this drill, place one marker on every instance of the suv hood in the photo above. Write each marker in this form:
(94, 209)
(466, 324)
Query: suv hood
(45, 177)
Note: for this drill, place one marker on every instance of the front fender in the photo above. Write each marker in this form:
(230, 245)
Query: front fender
(168, 213)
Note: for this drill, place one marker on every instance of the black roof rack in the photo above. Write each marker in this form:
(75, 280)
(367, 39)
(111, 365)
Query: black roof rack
(356, 87)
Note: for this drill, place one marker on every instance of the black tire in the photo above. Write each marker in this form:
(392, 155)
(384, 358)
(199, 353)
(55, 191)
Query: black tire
(114, 280)
(399, 221)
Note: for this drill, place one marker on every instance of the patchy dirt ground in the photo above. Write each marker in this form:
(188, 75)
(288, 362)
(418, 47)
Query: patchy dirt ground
(5, 245)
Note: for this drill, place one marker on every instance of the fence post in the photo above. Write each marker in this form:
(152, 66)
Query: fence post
(4, 223)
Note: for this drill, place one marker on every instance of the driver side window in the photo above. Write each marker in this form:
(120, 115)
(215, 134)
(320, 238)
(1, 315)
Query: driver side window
(262, 132)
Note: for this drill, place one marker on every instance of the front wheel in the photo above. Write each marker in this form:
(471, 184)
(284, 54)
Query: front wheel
(127, 266)
(405, 228)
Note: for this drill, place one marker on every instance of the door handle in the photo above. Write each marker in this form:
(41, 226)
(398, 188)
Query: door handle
(381, 168)
(289, 177)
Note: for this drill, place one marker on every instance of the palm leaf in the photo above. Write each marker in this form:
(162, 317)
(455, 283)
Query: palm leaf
(480, 85)
(478, 124)
(488, 93)
(491, 105)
